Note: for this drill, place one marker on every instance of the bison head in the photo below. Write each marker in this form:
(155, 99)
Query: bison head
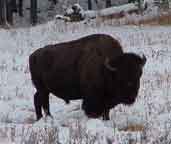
(123, 78)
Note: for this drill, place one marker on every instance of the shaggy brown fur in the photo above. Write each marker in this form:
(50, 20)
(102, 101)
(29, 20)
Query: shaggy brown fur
(77, 70)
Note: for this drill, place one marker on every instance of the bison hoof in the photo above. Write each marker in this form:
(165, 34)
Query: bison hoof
(49, 115)
(106, 118)
(39, 117)
(67, 101)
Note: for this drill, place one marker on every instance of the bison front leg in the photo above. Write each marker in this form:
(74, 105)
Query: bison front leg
(106, 114)
(92, 106)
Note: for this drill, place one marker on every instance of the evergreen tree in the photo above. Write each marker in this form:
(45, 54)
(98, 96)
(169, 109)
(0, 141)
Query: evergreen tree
(89, 5)
(33, 12)
(165, 4)
(20, 8)
(6, 12)
(9, 11)
(108, 3)
(2, 12)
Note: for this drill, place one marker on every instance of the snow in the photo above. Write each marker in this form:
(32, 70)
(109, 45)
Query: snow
(62, 17)
(69, 123)
(112, 10)
(118, 9)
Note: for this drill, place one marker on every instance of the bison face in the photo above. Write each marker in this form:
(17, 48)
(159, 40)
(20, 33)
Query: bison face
(124, 78)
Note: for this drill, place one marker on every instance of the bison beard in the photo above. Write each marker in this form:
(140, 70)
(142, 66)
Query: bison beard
(93, 68)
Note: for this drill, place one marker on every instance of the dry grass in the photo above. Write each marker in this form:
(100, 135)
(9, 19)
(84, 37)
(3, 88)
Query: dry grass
(134, 128)
(163, 19)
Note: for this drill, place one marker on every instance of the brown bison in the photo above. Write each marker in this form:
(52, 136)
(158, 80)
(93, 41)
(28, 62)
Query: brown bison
(93, 68)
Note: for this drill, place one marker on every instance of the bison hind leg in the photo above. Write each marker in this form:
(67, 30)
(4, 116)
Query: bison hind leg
(37, 104)
(45, 104)
(41, 97)
(41, 100)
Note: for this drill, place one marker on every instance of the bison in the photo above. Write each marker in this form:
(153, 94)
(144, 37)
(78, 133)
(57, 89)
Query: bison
(93, 68)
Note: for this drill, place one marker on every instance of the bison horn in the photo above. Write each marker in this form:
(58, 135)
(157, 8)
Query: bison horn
(108, 66)
(144, 59)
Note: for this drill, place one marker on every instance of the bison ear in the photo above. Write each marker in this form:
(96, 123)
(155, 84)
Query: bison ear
(143, 62)
(108, 66)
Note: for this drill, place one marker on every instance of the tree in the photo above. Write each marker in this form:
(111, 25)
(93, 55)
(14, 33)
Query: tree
(54, 1)
(108, 3)
(6, 12)
(2, 12)
(20, 8)
(33, 12)
(165, 4)
(89, 5)
(129, 1)
(10, 10)
(14, 6)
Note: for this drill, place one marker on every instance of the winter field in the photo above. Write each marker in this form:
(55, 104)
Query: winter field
(148, 121)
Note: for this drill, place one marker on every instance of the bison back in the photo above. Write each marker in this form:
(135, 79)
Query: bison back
(73, 69)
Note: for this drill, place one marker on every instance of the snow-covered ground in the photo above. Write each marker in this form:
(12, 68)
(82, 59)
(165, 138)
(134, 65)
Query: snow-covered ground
(150, 115)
